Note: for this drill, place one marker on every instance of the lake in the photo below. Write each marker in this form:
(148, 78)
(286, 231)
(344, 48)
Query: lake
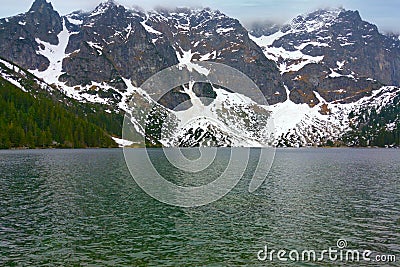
(82, 207)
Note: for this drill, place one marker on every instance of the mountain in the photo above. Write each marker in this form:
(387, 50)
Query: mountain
(320, 73)
(19, 35)
(39, 116)
(333, 52)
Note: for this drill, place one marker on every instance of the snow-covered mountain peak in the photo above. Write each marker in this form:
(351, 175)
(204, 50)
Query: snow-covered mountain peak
(104, 7)
(313, 21)
(187, 16)
(328, 49)
(107, 4)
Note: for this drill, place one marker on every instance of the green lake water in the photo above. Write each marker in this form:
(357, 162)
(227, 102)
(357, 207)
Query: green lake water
(82, 208)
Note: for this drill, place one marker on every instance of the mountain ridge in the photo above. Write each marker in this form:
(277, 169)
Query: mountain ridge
(320, 61)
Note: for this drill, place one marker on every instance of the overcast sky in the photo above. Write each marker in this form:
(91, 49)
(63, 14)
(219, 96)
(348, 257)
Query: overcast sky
(384, 13)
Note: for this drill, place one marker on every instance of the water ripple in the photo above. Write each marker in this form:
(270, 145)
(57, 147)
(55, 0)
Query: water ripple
(81, 207)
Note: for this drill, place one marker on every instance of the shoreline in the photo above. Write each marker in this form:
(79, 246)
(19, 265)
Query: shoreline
(280, 148)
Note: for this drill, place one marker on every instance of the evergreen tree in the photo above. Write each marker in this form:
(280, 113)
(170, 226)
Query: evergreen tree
(27, 121)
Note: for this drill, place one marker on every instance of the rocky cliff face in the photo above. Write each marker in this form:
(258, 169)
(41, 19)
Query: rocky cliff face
(112, 42)
(333, 52)
(210, 35)
(18, 35)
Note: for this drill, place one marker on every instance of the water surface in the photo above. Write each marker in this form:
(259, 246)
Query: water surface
(82, 207)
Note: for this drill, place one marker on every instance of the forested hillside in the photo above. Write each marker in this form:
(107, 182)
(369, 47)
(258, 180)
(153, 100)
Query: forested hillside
(376, 127)
(39, 122)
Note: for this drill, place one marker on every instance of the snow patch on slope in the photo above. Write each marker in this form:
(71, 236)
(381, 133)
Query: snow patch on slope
(185, 60)
(9, 77)
(73, 20)
(121, 142)
(295, 60)
(288, 114)
(287, 60)
(301, 125)
(265, 41)
(150, 29)
(55, 54)
(224, 30)
(232, 117)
